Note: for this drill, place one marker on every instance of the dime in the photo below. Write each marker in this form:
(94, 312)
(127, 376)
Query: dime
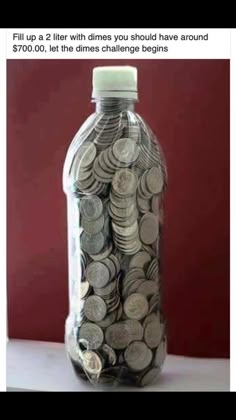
(148, 229)
(153, 334)
(116, 262)
(111, 267)
(151, 317)
(150, 376)
(161, 353)
(121, 334)
(92, 244)
(97, 274)
(154, 180)
(125, 150)
(138, 356)
(155, 205)
(125, 182)
(118, 335)
(95, 308)
(94, 226)
(125, 231)
(84, 289)
(85, 155)
(92, 335)
(108, 320)
(91, 207)
(107, 290)
(103, 254)
(141, 259)
(124, 202)
(136, 306)
(143, 204)
(92, 363)
(148, 288)
(154, 303)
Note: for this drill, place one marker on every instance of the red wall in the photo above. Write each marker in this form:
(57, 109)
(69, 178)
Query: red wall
(186, 102)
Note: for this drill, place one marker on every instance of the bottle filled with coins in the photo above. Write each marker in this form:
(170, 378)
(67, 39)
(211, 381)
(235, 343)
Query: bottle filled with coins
(115, 178)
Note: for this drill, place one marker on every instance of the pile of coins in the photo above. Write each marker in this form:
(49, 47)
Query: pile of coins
(118, 178)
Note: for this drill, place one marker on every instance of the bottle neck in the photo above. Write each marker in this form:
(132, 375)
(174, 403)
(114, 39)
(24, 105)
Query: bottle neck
(114, 105)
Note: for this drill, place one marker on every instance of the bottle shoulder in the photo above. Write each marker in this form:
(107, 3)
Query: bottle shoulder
(103, 136)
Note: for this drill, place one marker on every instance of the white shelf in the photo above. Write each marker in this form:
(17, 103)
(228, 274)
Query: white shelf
(43, 366)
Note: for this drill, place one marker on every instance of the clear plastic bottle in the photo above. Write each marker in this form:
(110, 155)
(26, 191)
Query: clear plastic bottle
(115, 177)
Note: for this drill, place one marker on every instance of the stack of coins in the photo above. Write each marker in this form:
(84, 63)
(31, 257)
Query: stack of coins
(119, 177)
(108, 129)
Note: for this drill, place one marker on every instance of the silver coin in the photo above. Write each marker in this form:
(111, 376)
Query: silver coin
(95, 308)
(107, 290)
(105, 168)
(154, 304)
(133, 274)
(84, 289)
(108, 320)
(114, 305)
(118, 335)
(122, 333)
(144, 205)
(86, 183)
(109, 354)
(153, 334)
(115, 162)
(92, 363)
(148, 229)
(132, 287)
(83, 174)
(111, 267)
(133, 132)
(92, 244)
(148, 288)
(152, 317)
(138, 356)
(125, 182)
(161, 353)
(122, 203)
(125, 231)
(150, 250)
(155, 205)
(153, 270)
(97, 274)
(140, 260)
(85, 155)
(103, 254)
(136, 306)
(91, 207)
(154, 180)
(150, 377)
(100, 174)
(125, 150)
(92, 335)
(92, 226)
(143, 190)
(116, 262)
(123, 213)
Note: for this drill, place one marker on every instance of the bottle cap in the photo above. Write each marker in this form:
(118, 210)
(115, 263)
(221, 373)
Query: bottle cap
(115, 82)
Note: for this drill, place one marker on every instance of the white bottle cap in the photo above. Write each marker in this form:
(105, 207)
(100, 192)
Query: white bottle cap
(115, 82)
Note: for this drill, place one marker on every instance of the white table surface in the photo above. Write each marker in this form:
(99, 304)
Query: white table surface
(43, 366)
